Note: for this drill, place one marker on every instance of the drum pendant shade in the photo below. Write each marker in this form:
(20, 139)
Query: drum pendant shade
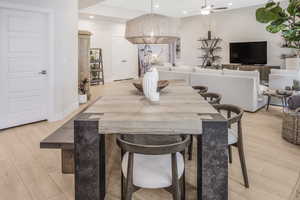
(152, 29)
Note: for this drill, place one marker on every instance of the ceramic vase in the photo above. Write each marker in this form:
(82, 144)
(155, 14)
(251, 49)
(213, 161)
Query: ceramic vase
(150, 82)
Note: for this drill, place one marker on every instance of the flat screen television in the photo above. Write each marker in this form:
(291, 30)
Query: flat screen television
(248, 53)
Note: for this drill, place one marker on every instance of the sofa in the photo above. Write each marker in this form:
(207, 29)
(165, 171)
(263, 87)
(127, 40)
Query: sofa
(239, 88)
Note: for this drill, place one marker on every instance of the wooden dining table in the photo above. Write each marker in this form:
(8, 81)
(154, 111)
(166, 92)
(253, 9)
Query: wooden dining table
(123, 110)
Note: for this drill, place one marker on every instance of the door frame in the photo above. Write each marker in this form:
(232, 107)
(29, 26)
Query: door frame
(49, 13)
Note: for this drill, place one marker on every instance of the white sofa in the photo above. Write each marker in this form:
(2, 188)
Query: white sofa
(239, 88)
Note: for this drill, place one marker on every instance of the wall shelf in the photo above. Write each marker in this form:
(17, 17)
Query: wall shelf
(209, 46)
(96, 66)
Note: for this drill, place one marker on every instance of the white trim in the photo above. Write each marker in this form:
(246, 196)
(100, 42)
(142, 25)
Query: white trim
(51, 84)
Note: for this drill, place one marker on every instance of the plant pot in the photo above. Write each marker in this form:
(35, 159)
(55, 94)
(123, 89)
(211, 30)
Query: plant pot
(82, 98)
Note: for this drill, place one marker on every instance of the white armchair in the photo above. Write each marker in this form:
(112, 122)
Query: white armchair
(279, 79)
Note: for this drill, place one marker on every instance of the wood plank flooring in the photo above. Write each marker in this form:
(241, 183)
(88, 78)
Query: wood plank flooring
(30, 173)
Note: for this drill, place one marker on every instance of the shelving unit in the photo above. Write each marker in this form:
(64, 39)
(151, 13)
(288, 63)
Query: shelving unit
(209, 46)
(96, 66)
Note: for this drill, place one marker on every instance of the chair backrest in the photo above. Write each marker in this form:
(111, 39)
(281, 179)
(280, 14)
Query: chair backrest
(153, 144)
(212, 98)
(231, 109)
(232, 119)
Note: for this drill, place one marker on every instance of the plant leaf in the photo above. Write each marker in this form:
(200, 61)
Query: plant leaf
(264, 16)
(275, 28)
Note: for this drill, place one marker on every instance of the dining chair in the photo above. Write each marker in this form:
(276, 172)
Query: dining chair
(212, 98)
(234, 116)
(152, 162)
(201, 88)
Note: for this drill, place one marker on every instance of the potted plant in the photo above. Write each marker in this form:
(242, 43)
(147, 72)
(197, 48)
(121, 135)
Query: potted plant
(284, 20)
(83, 90)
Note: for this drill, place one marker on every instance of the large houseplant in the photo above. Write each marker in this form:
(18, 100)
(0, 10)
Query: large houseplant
(284, 20)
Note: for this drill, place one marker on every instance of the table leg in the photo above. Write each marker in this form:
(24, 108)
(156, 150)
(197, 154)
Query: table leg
(67, 161)
(89, 160)
(212, 161)
(269, 101)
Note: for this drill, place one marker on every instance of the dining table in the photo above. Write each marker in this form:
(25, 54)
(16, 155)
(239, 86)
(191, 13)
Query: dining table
(122, 109)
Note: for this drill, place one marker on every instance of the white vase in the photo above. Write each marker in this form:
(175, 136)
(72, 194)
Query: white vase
(82, 98)
(150, 83)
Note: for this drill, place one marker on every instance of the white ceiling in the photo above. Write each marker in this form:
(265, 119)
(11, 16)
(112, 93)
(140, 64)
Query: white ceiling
(128, 9)
(88, 3)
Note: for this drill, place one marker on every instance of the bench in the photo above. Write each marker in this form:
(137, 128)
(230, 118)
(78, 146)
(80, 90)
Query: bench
(63, 138)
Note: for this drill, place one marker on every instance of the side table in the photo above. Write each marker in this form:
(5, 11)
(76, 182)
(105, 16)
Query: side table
(273, 93)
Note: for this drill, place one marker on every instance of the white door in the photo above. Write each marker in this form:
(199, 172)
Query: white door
(23, 67)
(124, 59)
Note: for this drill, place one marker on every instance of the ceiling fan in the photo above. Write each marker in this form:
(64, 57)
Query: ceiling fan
(208, 9)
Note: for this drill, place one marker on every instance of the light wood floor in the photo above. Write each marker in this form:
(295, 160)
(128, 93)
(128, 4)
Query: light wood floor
(29, 173)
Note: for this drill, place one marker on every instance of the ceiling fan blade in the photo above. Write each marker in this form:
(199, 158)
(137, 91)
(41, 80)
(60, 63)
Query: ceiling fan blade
(220, 8)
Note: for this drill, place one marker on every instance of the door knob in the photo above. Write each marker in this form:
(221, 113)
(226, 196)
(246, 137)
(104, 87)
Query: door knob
(43, 72)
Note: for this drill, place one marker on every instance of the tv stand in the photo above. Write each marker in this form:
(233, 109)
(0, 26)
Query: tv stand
(264, 70)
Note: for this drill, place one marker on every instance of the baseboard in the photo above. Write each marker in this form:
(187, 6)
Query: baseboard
(61, 115)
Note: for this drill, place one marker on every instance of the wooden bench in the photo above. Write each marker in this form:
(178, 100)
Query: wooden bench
(63, 138)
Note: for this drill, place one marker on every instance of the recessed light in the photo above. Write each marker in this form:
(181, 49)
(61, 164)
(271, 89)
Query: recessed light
(156, 6)
(184, 12)
(229, 4)
(91, 17)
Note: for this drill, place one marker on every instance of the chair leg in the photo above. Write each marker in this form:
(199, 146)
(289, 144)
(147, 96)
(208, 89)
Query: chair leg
(122, 187)
(176, 188)
(129, 180)
(122, 179)
(190, 150)
(230, 154)
(243, 165)
(183, 187)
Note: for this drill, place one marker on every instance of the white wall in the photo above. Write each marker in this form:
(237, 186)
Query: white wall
(103, 33)
(237, 25)
(65, 95)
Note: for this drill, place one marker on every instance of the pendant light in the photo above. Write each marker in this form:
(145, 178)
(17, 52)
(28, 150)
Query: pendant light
(152, 29)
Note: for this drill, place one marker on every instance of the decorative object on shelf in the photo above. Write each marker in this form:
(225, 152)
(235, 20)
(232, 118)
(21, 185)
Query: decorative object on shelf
(96, 66)
(152, 29)
(209, 45)
(282, 20)
(150, 83)
(83, 90)
(160, 86)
